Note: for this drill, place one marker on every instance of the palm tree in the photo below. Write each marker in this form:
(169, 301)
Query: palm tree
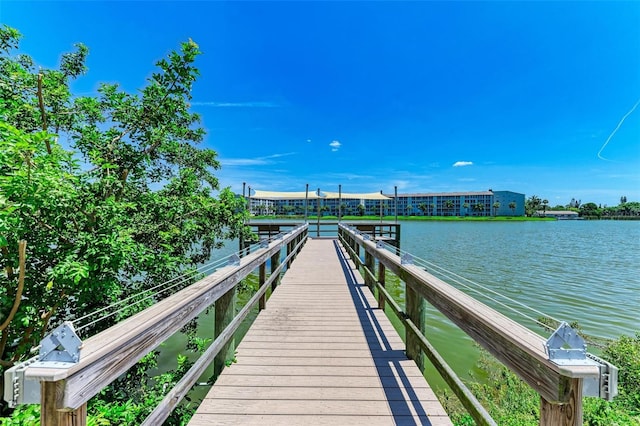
(512, 206)
(423, 208)
(360, 209)
(448, 204)
(496, 206)
(478, 207)
(433, 209)
(409, 209)
(343, 209)
(545, 203)
(465, 206)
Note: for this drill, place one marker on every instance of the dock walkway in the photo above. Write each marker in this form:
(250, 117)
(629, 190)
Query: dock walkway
(321, 353)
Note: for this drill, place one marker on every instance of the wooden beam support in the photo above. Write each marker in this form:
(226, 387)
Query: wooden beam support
(275, 262)
(415, 309)
(382, 272)
(369, 263)
(52, 412)
(567, 414)
(262, 277)
(225, 311)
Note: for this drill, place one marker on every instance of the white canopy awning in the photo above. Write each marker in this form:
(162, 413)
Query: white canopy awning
(356, 196)
(273, 195)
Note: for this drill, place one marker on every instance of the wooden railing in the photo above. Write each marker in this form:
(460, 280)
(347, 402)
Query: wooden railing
(107, 355)
(520, 349)
(389, 231)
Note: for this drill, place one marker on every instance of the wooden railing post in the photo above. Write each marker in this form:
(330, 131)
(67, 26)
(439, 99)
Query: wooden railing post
(51, 408)
(275, 262)
(289, 249)
(225, 311)
(567, 414)
(369, 263)
(262, 278)
(381, 280)
(415, 309)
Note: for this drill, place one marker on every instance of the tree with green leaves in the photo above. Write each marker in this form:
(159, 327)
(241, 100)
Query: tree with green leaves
(512, 206)
(590, 209)
(131, 202)
(532, 205)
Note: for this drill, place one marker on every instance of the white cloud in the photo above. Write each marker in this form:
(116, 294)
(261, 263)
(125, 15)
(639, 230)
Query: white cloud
(258, 161)
(335, 145)
(462, 163)
(243, 162)
(236, 104)
(308, 140)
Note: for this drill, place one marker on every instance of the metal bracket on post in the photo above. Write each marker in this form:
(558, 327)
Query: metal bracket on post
(406, 259)
(234, 260)
(379, 244)
(366, 237)
(59, 349)
(19, 390)
(566, 347)
(605, 386)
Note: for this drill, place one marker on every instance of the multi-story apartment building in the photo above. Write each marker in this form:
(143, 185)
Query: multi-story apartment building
(484, 203)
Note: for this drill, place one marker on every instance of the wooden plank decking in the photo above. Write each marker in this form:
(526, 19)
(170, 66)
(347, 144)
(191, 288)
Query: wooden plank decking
(321, 353)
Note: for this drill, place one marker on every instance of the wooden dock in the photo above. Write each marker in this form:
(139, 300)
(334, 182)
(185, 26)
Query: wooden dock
(321, 353)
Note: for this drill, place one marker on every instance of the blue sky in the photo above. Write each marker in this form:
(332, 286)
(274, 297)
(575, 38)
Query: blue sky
(532, 97)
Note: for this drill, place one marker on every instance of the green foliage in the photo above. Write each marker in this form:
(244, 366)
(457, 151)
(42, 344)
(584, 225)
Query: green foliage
(624, 353)
(511, 402)
(598, 412)
(131, 398)
(128, 199)
(23, 415)
(532, 205)
(626, 209)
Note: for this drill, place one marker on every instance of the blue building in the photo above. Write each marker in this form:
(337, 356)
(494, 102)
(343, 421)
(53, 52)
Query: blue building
(484, 203)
